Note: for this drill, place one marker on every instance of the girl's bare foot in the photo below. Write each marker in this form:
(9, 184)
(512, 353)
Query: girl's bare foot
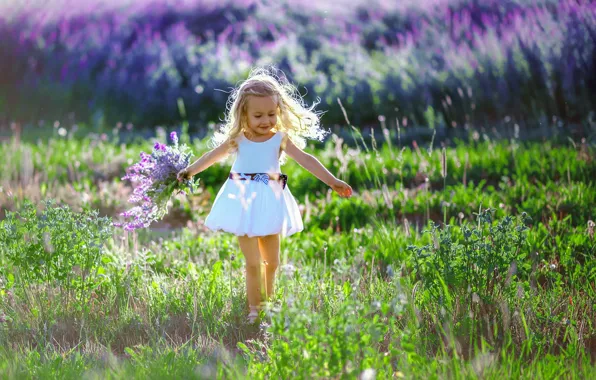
(253, 315)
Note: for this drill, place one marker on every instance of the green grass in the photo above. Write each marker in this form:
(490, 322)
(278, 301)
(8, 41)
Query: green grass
(372, 286)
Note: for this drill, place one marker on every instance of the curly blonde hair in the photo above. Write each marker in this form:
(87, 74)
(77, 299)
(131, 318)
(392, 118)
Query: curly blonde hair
(296, 119)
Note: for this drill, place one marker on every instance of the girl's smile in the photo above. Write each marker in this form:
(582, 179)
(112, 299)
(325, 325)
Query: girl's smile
(261, 112)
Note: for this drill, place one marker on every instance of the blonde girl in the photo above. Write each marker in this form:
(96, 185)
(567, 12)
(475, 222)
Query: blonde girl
(266, 120)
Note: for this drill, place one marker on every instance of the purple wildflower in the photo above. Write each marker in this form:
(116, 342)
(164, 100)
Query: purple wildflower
(159, 147)
(155, 181)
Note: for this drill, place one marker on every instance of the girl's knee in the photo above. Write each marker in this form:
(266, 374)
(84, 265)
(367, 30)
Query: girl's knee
(272, 264)
(253, 267)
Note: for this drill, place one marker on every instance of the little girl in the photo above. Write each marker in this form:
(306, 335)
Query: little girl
(266, 120)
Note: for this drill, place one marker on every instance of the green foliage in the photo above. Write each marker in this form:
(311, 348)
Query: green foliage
(483, 295)
(344, 215)
(471, 262)
(57, 245)
(346, 343)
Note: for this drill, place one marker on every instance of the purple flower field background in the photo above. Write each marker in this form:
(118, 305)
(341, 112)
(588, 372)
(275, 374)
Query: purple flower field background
(436, 63)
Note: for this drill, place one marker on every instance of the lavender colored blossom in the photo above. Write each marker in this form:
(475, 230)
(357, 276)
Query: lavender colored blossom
(401, 51)
(155, 182)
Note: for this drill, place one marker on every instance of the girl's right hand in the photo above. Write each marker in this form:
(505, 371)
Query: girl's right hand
(183, 175)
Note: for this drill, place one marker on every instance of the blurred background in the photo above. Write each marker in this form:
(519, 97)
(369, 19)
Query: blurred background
(442, 64)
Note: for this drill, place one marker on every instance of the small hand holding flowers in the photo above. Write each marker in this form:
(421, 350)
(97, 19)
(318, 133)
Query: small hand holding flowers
(156, 179)
(183, 175)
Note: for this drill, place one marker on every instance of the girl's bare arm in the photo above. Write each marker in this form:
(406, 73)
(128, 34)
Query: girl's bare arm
(313, 165)
(206, 160)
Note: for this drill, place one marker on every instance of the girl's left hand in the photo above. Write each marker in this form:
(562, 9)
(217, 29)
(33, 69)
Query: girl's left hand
(343, 189)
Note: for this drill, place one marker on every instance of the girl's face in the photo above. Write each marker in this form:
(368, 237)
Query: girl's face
(261, 114)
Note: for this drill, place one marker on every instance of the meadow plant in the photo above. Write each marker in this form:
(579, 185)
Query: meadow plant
(155, 179)
(478, 261)
(54, 246)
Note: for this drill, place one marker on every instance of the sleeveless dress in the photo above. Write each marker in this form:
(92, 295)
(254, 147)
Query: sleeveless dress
(251, 207)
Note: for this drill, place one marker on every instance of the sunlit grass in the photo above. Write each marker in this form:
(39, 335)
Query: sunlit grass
(353, 297)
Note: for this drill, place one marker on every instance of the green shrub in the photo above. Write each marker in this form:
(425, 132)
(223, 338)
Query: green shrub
(56, 246)
(473, 262)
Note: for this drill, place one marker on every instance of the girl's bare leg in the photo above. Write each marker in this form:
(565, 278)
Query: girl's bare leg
(250, 250)
(269, 248)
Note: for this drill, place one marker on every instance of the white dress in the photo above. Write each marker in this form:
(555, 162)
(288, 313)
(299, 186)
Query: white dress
(251, 207)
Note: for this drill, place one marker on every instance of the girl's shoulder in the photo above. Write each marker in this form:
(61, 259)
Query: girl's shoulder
(238, 139)
(232, 143)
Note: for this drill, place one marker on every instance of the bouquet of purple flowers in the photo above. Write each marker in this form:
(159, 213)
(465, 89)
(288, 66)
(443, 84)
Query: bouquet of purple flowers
(155, 179)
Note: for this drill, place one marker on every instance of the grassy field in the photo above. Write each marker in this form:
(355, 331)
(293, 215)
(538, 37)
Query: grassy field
(463, 261)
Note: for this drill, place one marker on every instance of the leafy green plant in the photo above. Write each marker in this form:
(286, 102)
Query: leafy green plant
(325, 345)
(56, 246)
(476, 261)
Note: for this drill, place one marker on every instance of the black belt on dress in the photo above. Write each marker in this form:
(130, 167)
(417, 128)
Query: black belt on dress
(261, 177)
